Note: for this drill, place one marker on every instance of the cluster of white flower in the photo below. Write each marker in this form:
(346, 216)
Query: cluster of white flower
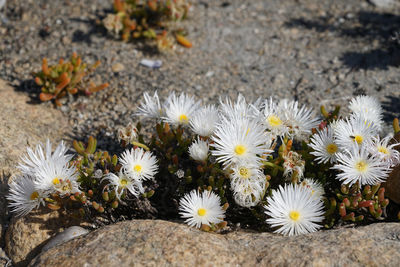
(43, 173)
(354, 146)
(240, 135)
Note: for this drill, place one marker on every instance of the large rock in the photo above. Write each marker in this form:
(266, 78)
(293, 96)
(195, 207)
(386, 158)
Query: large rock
(161, 243)
(21, 125)
(26, 236)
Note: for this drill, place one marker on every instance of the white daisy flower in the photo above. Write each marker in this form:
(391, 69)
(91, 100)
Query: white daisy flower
(57, 176)
(204, 121)
(274, 119)
(199, 150)
(23, 197)
(293, 209)
(315, 187)
(122, 182)
(239, 140)
(368, 108)
(201, 208)
(139, 164)
(354, 130)
(151, 108)
(356, 164)
(299, 120)
(35, 158)
(180, 110)
(239, 109)
(248, 195)
(385, 151)
(323, 143)
(248, 184)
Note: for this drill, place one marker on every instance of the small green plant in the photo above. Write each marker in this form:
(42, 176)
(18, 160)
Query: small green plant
(152, 19)
(58, 80)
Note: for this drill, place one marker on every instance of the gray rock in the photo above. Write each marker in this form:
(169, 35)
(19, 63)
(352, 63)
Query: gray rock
(68, 234)
(161, 243)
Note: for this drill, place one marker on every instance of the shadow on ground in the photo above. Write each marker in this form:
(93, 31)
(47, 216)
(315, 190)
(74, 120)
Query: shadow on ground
(365, 27)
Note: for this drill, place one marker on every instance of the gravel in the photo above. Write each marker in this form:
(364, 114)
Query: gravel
(318, 52)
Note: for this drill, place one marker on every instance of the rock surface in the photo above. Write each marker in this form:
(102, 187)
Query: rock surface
(22, 125)
(26, 236)
(160, 243)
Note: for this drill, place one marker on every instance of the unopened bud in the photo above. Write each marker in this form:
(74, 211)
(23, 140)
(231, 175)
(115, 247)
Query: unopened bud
(105, 196)
(114, 204)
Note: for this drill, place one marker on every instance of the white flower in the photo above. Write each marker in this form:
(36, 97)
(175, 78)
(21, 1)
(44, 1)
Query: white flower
(151, 108)
(35, 159)
(240, 140)
(325, 148)
(204, 121)
(201, 208)
(357, 165)
(122, 182)
(385, 151)
(299, 120)
(57, 176)
(199, 150)
(274, 119)
(293, 209)
(239, 109)
(315, 187)
(354, 130)
(23, 197)
(368, 108)
(180, 110)
(248, 183)
(139, 164)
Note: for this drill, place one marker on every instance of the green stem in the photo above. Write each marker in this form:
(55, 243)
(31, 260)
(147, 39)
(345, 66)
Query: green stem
(140, 145)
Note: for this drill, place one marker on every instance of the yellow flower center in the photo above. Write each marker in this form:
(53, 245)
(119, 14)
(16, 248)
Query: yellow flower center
(240, 150)
(383, 150)
(183, 118)
(359, 139)
(361, 166)
(201, 212)
(123, 182)
(294, 215)
(274, 121)
(244, 172)
(137, 168)
(56, 181)
(34, 195)
(331, 148)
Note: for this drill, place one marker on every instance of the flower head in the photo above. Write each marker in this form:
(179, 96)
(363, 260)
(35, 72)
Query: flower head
(122, 182)
(354, 130)
(57, 176)
(151, 108)
(385, 151)
(294, 210)
(36, 158)
(368, 108)
(315, 187)
(201, 208)
(180, 109)
(358, 165)
(199, 150)
(204, 121)
(23, 196)
(324, 145)
(248, 183)
(299, 120)
(274, 119)
(128, 134)
(139, 164)
(239, 139)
